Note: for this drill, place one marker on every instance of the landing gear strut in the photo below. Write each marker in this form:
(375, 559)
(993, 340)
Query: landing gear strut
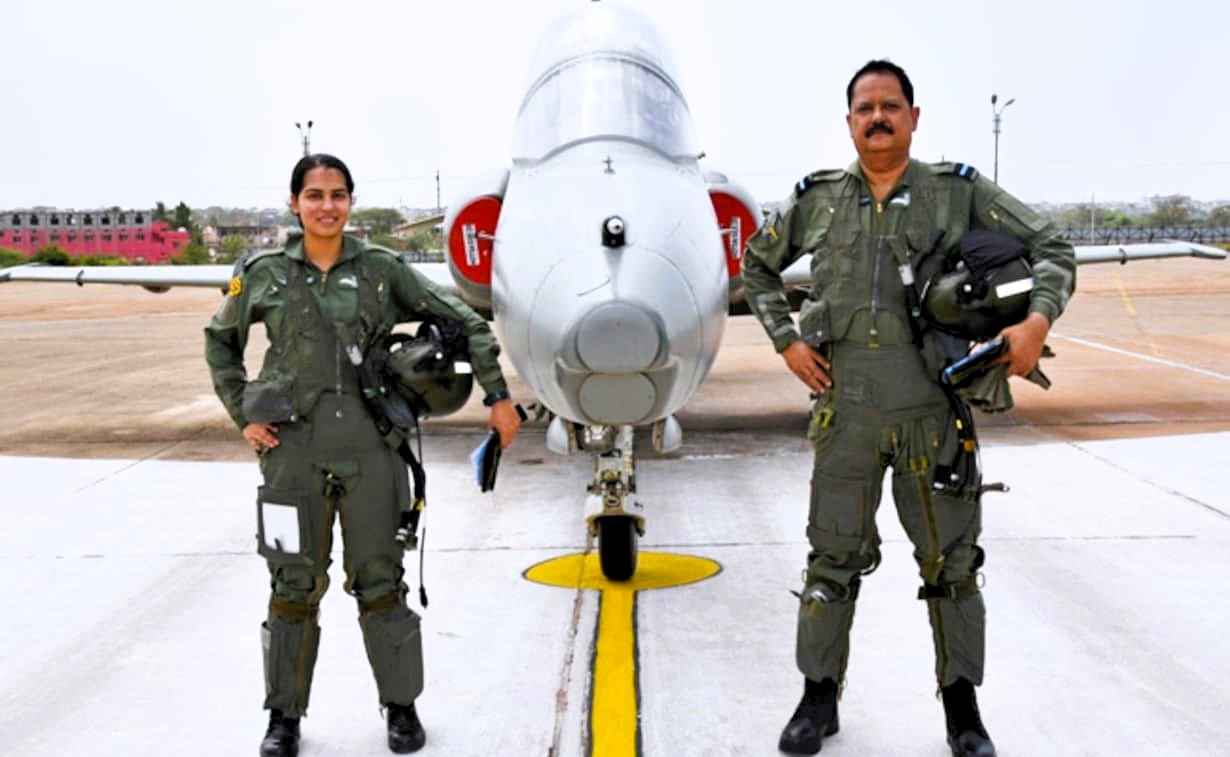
(614, 518)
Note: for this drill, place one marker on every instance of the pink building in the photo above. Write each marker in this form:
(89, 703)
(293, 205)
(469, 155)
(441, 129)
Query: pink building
(129, 234)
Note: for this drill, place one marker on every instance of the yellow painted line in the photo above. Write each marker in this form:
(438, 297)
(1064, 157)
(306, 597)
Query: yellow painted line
(614, 710)
(1124, 297)
(1130, 308)
(615, 698)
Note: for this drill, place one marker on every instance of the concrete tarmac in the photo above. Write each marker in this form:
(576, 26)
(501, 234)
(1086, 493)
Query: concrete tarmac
(133, 593)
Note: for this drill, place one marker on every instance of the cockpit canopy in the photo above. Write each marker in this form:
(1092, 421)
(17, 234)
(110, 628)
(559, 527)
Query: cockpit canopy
(604, 71)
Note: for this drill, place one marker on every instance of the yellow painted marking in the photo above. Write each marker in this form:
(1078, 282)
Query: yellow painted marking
(1123, 295)
(1130, 308)
(613, 712)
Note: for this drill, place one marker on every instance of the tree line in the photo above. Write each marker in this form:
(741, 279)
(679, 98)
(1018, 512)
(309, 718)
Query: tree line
(1165, 212)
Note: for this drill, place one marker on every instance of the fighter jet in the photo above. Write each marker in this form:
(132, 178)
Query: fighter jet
(607, 257)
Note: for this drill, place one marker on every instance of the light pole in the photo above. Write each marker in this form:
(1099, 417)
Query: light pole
(305, 137)
(995, 129)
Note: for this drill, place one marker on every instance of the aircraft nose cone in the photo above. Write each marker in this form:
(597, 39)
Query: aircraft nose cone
(618, 337)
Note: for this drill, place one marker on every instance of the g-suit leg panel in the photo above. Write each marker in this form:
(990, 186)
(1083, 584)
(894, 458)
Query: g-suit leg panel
(944, 528)
(845, 493)
(290, 635)
(374, 573)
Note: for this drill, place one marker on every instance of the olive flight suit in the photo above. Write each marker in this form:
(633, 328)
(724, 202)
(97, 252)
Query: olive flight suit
(330, 458)
(885, 408)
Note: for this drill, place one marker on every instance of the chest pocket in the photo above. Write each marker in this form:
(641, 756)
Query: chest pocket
(920, 233)
(832, 241)
(340, 301)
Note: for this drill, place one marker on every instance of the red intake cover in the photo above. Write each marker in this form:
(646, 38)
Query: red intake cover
(482, 213)
(728, 208)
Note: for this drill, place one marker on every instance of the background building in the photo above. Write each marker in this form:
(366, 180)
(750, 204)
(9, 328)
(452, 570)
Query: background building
(129, 234)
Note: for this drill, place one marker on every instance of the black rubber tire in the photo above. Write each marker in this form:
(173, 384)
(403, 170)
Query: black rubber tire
(617, 546)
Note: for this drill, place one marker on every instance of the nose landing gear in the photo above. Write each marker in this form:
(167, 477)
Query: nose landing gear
(615, 519)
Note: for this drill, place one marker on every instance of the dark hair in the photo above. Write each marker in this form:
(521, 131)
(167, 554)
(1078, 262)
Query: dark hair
(881, 67)
(317, 160)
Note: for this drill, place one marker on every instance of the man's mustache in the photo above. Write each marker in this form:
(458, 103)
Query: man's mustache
(878, 127)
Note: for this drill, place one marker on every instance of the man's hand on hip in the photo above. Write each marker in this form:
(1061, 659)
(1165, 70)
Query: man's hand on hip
(809, 365)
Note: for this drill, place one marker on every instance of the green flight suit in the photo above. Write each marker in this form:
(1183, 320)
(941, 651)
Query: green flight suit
(330, 459)
(885, 408)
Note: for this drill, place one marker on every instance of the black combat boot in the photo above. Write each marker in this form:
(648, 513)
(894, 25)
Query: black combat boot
(966, 735)
(405, 731)
(813, 719)
(282, 736)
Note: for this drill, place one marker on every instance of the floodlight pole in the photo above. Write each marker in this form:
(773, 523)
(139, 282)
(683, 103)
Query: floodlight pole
(305, 136)
(995, 128)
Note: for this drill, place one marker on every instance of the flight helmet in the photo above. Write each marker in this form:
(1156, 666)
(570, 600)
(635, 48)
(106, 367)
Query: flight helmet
(982, 289)
(424, 368)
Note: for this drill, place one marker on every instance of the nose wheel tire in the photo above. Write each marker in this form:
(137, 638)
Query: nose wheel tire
(617, 546)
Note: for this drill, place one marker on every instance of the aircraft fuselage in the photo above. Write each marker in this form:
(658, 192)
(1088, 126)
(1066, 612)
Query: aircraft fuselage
(609, 333)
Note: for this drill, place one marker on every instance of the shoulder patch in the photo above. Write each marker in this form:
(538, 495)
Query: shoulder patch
(963, 170)
(817, 177)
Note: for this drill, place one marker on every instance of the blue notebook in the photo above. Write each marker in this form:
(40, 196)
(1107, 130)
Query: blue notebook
(486, 461)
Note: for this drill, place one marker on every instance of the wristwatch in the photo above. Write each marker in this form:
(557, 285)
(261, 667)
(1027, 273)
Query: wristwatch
(495, 397)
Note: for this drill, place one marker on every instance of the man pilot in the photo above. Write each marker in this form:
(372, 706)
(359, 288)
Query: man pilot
(879, 402)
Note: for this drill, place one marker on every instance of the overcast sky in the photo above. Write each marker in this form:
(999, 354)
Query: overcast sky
(129, 103)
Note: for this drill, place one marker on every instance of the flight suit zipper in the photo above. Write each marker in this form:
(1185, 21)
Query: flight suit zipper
(875, 275)
(337, 346)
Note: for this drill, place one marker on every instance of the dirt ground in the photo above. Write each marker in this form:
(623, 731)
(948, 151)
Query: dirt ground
(118, 372)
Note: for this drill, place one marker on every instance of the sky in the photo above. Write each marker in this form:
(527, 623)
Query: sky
(134, 102)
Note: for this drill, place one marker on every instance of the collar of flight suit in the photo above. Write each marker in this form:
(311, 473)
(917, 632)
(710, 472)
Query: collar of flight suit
(915, 173)
(351, 249)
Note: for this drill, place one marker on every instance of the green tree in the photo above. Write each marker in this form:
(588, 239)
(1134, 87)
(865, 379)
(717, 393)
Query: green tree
(160, 213)
(424, 241)
(377, 221)
(193, 253)
(1219, 216)
(51, 255)
(1118, 220)
(1079, 216)
(390, 241)
(182, 218)
(231, 248)
(12, 257)
(1172, 210)
(102, 260)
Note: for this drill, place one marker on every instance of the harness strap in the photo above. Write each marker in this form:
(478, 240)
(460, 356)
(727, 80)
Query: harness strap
(380, 604)
(954, 591)
(289, 610)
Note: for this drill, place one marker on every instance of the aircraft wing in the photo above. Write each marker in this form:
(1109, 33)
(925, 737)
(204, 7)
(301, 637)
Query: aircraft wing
(1122, 253)
(796, 279)
(799, 274)
(159, 278)
(156, 278)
